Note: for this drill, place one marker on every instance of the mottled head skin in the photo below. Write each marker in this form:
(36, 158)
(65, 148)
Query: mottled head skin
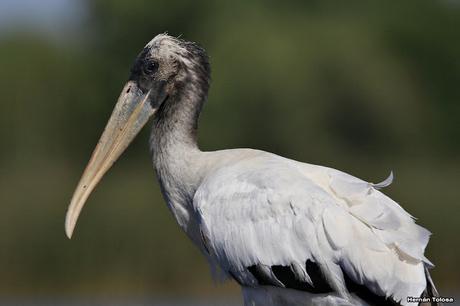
(177, 73)
(170, 66)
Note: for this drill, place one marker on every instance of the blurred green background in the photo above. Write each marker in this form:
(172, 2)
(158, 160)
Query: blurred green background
(362, 86)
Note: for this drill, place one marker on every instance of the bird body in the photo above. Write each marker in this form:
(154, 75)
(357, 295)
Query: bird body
(289, 233)
(247, 208)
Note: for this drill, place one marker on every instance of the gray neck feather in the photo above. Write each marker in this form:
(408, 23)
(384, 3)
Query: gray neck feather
(176, 156)
(176, 122)
(179, 164)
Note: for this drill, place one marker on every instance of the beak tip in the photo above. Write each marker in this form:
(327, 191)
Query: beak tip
(69, 227)
(68, 234)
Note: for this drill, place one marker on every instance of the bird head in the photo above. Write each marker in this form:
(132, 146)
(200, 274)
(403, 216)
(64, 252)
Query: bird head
(158, 76)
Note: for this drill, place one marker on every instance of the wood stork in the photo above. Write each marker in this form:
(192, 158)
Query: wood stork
(289, 233)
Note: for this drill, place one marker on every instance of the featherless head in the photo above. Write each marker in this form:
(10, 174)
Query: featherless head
(170, 63)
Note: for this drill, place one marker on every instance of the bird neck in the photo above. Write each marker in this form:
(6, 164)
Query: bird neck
(175, 152)
(176, 122)
(173, 140)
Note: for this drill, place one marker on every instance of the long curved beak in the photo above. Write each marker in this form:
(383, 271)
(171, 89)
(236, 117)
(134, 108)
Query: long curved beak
(131, 113)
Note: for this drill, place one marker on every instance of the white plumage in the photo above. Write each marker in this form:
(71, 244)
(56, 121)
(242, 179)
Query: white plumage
(267, 210)
(289, 233)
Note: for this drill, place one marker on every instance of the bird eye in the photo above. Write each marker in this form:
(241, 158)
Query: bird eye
(150, 67)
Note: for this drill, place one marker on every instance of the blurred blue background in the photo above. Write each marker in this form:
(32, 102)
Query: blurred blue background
(362, 86)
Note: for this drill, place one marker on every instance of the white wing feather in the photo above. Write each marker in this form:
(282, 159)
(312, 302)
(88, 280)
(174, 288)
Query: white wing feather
(274, 211)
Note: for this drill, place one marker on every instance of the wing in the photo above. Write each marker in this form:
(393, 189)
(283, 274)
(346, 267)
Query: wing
(271, 221)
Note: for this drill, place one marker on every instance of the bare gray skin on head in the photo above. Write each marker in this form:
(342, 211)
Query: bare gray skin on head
(180, 72)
